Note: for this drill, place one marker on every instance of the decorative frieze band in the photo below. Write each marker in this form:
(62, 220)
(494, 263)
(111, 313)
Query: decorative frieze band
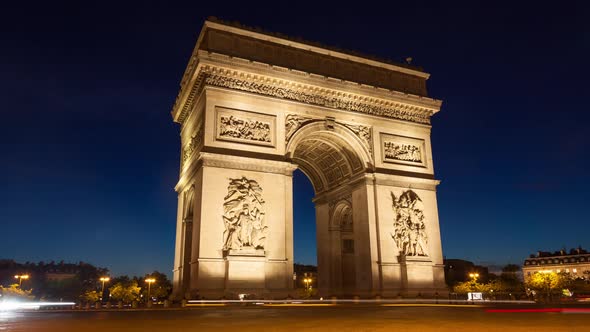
(300, 93)
(333, 101)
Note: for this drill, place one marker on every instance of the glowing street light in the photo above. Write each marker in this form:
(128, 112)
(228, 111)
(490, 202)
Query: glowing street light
(307, 281)
(474, 276)
(150, 281)
(103, 279)
(20, 278)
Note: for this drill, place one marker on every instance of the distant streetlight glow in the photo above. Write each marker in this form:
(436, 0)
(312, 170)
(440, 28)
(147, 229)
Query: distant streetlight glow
(103, 279)
(474, 276)
(150, 281)
(20, 278)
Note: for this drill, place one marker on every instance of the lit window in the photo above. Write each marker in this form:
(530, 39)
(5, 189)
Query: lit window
(575, 270)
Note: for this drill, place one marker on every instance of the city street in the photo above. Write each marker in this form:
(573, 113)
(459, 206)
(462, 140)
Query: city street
(303, 318)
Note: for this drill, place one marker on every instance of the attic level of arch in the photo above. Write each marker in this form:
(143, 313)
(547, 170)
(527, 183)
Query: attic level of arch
(265, 51)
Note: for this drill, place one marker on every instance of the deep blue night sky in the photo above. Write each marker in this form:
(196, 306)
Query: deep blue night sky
(89, 154)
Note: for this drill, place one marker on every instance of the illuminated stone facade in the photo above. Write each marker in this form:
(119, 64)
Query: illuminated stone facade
(254, 107)
(576, 262)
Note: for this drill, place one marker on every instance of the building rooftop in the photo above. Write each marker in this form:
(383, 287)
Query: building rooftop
(562, 252)
(239, 25)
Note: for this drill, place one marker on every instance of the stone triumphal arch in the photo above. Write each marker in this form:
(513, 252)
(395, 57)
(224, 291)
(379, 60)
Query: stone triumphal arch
(253, 107)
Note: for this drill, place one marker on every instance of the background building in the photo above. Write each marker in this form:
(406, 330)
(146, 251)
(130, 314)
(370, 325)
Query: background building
(576, 262)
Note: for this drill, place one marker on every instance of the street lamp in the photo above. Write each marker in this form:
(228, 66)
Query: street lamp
(103, 279)
(150, 281)
(307, 281)
(474, 276)
(20, 278)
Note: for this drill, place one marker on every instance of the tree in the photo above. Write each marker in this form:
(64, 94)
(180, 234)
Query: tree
(509, 282)
(90, 296)
(160, 289)
(510, 268)
(15, 292)
(471, 286)
(125, 291)
(548, 283)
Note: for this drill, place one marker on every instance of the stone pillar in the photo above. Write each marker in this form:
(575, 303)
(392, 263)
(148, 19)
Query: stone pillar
(324, 249)
(186, 252)
(242, 243)
(177, 271)
(403, 205)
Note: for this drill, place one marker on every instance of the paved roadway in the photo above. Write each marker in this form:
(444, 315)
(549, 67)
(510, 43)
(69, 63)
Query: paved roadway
(301, 318)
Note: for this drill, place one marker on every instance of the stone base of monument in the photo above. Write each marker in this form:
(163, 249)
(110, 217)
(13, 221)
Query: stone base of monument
(417, 276)
(245, 269)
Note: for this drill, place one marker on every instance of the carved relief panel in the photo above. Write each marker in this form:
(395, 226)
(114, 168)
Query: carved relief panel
(243, 216)
(409, 228)
(403, 150)
(193, 145)
(245, 127)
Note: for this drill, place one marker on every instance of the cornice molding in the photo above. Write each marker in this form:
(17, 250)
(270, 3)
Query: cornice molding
(210, 75)
(245, 163)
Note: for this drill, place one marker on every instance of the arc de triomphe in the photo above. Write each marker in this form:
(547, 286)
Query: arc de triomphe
(253, 107)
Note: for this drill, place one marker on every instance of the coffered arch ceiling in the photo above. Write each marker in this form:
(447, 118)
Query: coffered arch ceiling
(327, 159)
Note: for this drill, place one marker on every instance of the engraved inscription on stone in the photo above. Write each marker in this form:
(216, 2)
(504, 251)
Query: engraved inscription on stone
(409, 228)
(245, 127)
(243, 216)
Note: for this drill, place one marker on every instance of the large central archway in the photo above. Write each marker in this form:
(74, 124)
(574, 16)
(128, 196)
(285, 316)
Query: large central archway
(331, 157)
(253, 108)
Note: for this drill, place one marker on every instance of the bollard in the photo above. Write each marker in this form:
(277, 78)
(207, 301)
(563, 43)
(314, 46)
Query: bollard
(183, 303)
(108, 305)
(334, 299)
(97, 305)
(120, 305)
(134, 304)
(166, 303)
(149, 303)
(87, 307)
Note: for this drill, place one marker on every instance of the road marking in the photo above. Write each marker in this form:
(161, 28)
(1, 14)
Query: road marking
(431, 305)
(298, 305)
(206, 305)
